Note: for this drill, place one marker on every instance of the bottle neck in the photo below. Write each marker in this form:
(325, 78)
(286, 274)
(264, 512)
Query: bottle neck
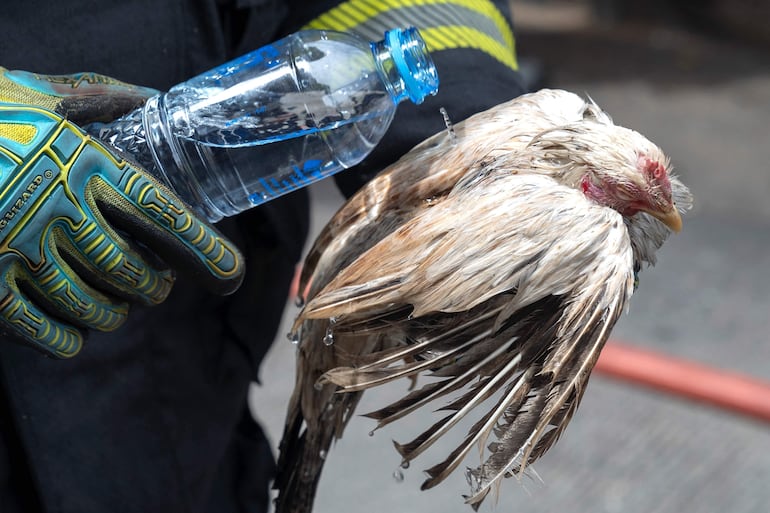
(405, 65)
(389, 72)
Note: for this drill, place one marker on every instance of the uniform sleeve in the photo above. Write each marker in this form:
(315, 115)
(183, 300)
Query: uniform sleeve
(472, 44)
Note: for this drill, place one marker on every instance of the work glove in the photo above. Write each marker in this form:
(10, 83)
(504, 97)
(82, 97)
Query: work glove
(83, 231)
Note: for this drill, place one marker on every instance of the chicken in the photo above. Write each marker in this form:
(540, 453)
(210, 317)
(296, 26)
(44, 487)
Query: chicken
(493, 260)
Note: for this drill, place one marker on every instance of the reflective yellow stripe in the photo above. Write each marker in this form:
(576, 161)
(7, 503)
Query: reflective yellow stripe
(434, 18)
(358, 14)
(445, 38)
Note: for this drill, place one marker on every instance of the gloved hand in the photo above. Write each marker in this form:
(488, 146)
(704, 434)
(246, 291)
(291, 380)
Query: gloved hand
(83, 232)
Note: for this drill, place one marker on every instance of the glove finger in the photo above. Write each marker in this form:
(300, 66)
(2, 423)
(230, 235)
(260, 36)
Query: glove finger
(81, 97)
(21, 317)
(107, 260)
(149, 211)
(59, 289)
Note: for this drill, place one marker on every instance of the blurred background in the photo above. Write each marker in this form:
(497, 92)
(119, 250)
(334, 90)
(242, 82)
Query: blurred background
(695, 78)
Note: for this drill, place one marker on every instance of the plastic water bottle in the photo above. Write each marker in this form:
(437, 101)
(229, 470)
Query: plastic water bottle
(276, 119)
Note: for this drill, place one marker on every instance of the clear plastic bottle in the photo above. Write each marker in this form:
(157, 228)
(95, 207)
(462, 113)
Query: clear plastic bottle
(276, 119)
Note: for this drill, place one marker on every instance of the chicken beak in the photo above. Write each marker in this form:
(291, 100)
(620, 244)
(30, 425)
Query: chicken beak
(670, 218)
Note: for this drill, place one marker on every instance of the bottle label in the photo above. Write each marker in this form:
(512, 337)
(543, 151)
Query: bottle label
(308, 172)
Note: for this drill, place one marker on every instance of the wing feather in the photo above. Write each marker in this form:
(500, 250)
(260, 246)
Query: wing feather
(427, 173)
(531, 323)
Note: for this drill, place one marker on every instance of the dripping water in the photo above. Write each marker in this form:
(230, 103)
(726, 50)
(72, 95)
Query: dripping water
(449, 126)
(329, 336)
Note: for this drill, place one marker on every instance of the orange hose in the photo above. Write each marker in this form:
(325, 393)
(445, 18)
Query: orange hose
(728, 390)
(294, 287)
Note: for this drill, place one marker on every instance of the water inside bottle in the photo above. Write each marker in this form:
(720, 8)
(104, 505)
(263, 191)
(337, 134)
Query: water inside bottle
(267, 118)
(265, 171)
(279, 142)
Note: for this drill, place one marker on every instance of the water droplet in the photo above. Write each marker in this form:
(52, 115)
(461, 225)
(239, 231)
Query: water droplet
(299, 301)
(332, 320)
(322, 454)
(398, 476)
(293, 337)
(329, 337)
(371, 433)
(318, 386)
(405, 464)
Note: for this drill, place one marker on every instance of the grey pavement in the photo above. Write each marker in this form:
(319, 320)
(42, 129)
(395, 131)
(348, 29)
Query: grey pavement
(707, 103)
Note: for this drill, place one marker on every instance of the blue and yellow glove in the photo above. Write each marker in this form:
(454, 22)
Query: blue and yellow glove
(83, 232)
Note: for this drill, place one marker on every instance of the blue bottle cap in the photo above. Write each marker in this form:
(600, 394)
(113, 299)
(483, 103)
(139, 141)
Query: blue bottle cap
(413, 62)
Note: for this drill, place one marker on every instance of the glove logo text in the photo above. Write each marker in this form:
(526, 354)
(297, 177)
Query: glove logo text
(76, 80)
(22, 200)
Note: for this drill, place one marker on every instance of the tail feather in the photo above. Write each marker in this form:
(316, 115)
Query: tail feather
(304, 452)
(300, 472)
(316, 415)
